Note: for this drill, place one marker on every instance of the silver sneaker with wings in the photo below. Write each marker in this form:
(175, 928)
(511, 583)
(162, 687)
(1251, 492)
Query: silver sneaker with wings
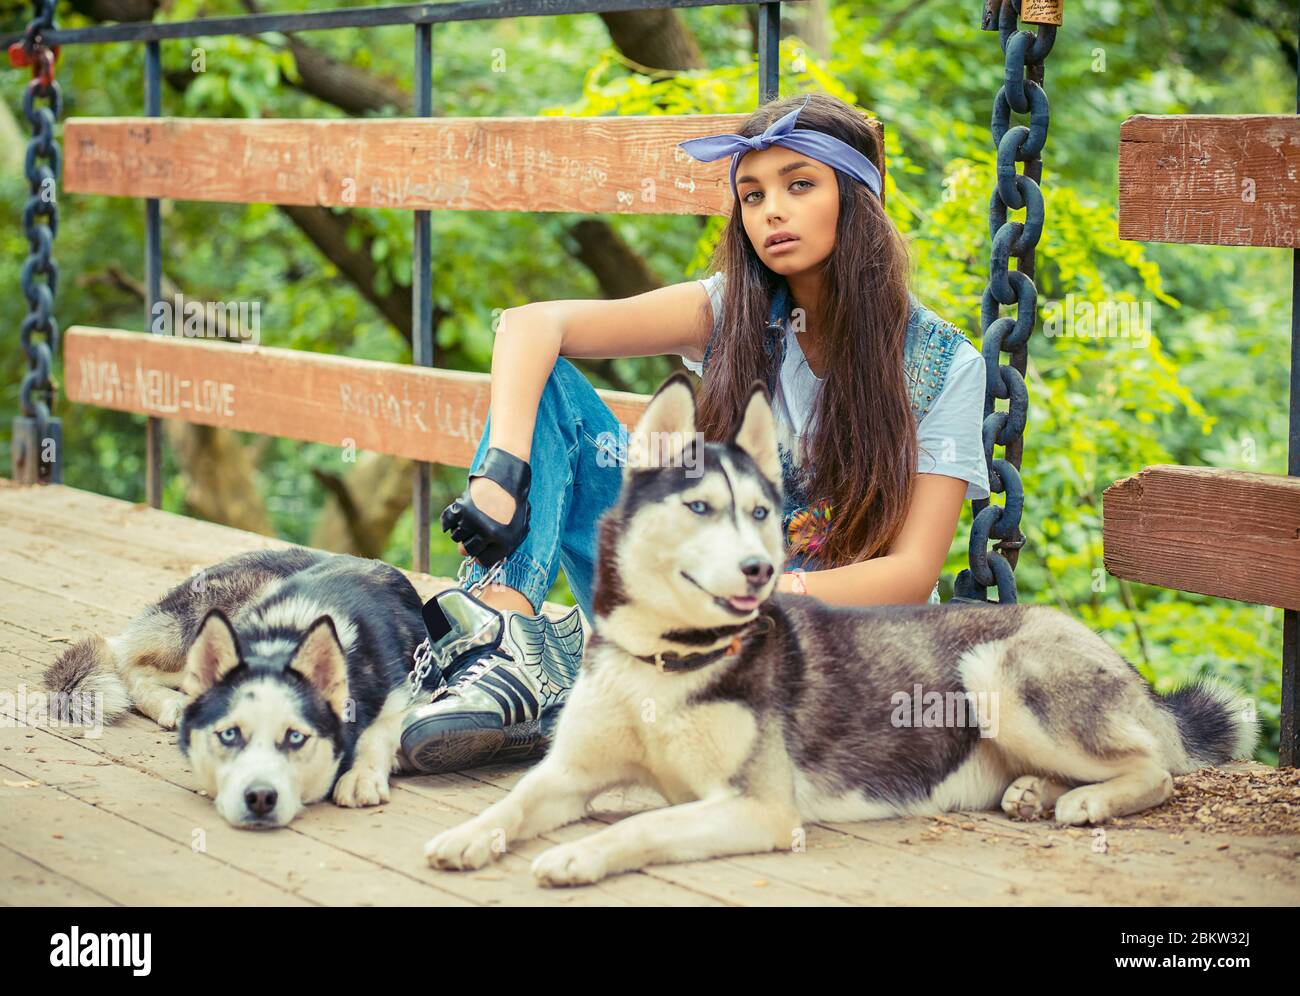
(507, 676)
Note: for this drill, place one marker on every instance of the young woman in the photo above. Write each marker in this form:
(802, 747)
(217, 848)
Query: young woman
(878, 403)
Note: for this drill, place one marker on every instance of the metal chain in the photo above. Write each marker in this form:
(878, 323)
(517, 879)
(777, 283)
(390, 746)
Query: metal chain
(37, 436)
(423, 655)
(1022, 92)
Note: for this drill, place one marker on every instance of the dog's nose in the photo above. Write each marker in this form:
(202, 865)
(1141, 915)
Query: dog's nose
(260, 799)
(757, 570)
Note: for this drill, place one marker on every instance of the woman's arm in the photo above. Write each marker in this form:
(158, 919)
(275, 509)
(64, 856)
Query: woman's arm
(908, 571)
(529, 339)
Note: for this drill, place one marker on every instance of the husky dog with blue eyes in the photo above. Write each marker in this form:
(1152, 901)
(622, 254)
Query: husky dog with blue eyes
(285, 671)
(752, 712)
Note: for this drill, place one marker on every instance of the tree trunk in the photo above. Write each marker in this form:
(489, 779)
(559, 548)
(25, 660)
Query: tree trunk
(220, 475)
(365, 505)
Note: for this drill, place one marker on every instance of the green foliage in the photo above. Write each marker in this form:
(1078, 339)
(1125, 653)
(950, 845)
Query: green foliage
(1208, 386)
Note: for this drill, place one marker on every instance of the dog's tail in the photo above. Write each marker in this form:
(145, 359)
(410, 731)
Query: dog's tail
(1216, 723)
(84, 683)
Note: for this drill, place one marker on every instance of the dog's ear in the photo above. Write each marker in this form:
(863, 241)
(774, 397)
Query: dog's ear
(213, 654)
(665, 428)
(756, 434)
(320, 659)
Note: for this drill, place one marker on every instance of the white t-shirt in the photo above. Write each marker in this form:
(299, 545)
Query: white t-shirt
(949, 436)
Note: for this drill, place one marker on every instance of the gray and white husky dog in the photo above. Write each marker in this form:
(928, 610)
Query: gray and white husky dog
(752, 712)
(285, 670)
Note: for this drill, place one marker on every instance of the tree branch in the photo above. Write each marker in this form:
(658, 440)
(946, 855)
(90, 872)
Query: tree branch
(654, 38)
(356, 91)
(328, 233)
(117, 10)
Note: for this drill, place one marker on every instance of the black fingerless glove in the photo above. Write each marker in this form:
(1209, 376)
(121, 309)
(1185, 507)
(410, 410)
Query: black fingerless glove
(484, 538)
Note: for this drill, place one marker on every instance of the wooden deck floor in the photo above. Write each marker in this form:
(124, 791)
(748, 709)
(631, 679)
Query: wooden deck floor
(117, 819)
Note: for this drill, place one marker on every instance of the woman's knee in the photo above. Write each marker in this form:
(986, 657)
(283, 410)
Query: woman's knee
(554, 409)
(572, 387)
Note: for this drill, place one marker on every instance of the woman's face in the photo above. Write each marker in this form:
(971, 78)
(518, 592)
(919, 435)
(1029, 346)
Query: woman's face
(782, 190)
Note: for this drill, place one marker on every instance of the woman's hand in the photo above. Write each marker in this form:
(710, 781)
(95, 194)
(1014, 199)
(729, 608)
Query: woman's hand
(492, 500)
(490, 518)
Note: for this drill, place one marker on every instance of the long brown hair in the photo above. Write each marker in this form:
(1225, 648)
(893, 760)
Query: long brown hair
(861, 436)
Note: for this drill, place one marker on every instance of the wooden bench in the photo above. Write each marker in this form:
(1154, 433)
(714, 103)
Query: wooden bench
(1229, 180)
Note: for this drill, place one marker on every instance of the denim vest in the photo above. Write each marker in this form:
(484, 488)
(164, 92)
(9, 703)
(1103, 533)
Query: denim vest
(928, 350)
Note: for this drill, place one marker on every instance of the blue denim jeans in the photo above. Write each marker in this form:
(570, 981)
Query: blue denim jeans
(577, 457)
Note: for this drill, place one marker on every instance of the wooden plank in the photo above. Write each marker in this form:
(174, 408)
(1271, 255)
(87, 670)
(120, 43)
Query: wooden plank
(53, 503)
(108, 533)
(605, 165)
(18, 642)
(321, 873)
(416, 412)
(24, 882)
(418, 812)
(28, 608)
(1045, 864)
(1208, 530)
(112, 856)
(1227, 180)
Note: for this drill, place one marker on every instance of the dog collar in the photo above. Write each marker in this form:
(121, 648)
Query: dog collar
(673, 661)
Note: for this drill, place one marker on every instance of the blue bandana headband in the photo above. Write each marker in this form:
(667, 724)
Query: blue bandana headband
(824, 148)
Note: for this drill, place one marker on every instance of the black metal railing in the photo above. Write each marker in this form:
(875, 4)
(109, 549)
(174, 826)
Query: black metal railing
(414, 14)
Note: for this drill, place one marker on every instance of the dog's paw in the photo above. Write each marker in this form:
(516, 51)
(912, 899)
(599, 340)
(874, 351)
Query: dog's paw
(1023, 799)
(464, 848)
(569, 864)
(169, 712)
(360, 787)
(1083, 805)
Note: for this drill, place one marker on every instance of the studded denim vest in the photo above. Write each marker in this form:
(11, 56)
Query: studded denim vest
(928, 350)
